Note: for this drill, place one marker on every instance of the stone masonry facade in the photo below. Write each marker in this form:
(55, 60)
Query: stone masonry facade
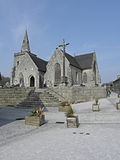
(31, 71)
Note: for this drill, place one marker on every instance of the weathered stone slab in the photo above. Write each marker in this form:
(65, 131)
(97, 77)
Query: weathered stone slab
(95, 107)
(34, 120)
(72, 122)
(118, 105)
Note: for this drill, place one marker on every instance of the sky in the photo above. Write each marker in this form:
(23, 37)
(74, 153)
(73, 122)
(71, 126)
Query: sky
(88, 25)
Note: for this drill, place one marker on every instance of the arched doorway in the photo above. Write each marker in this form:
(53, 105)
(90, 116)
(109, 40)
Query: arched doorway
(21, 80)
(57, 74)
(32, 81)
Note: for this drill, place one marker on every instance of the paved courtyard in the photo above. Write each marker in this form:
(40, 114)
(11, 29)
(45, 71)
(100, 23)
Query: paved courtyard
(97, 137)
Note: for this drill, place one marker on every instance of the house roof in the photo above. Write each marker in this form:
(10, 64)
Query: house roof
(40, 63)
(85, 60)
(117, 80)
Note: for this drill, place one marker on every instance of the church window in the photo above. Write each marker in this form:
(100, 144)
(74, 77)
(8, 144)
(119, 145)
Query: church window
(21, 80)
(94, 72)
(17, 63)
(57, 74)
(76, 76)
(85, 77)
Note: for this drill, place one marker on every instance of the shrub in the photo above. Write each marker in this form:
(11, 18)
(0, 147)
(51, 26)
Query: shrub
(65, 103)
(96, 101)
(36, 112)
(70, 112)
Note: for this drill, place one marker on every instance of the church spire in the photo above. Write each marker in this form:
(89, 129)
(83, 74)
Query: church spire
(25, 44)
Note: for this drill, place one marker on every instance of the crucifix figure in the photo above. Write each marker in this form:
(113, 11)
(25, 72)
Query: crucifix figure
(64, 47)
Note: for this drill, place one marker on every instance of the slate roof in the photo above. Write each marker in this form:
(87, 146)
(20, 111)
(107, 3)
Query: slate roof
(85, 60)
(117, 80)
(40, 63)
(72, 60)
(81, 61)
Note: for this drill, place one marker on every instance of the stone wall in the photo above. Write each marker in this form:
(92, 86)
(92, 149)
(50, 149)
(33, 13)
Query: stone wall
(13, 96)
(72, 73)
(93, 76)
(49, 96)
(78, 94)
(57, 57)
(76, 76)
(25, 67)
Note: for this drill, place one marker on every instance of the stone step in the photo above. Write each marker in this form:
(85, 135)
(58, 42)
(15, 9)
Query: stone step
(22, 97)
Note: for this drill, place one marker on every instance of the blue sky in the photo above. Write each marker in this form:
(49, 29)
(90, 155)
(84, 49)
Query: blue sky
(87, 25)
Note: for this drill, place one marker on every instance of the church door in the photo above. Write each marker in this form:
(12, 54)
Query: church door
(57, 74)
(32, 81)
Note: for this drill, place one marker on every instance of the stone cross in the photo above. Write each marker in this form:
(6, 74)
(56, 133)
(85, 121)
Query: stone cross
(64, 47)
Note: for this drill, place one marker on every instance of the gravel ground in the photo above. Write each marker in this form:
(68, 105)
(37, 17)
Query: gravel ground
(97, 137)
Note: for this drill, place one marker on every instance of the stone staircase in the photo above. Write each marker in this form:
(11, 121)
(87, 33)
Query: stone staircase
(21, 97)
(32, 100)
(48, 99)
(39, 99)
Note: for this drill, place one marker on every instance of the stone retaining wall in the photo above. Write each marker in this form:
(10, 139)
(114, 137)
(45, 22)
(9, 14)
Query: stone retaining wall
(78, 94)
(16, 96)
(13, 96)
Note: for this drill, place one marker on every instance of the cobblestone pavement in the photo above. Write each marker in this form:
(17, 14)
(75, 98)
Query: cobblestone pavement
(97, 137)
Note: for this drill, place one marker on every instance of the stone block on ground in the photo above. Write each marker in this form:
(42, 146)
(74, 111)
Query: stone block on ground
(72, 122)
(35, 120)
(95, 107)
(118, 105)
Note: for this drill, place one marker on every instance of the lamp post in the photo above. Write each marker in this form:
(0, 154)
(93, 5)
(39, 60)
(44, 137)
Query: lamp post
(64, 47)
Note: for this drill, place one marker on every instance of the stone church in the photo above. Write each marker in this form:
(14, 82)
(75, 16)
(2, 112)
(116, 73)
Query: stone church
(62, 69)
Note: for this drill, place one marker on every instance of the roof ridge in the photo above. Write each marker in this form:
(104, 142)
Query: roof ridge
(37, 57)
(85, 54)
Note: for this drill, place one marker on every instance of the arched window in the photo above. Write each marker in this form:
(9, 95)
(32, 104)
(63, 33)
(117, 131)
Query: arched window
(94, 72)
(76, 77)
(32, 81)
(85, 77)
(21, 80)
(57, 74)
